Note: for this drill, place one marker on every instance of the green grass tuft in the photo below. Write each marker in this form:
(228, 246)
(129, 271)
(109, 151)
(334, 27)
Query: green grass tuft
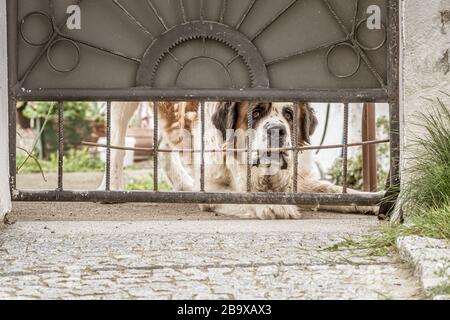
(442, 290)
(433, 224)
(426, 194)
(429, 168)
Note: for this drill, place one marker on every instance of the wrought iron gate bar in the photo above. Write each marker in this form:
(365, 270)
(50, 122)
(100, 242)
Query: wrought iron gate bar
(393, 89)
(352, 36)
(306, 51)
(112, 52)
(56, 36)
(202, 151)
(296, 149)
(13, 68)
(60, 146)
(157, 14)
(223, 10)
(249, 149)
(244, 16)
(371, 86)
(323, 147)
(345, 149)
(201, 10)
(108, 146)
(183, 11)
(155, 147)
(175, 59)
(307, 199)
(133, 19)
(272, 21)
(250, 94)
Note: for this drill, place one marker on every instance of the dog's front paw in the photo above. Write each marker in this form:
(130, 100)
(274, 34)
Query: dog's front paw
(367, 210)
(278, 212)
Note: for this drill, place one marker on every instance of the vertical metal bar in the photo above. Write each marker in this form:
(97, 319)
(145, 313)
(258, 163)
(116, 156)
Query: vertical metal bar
(388, 205)
(296, 151)
(369, 152)
(249, 147)
(12, 143)
(202, 165)
(223, 10)
(60, 145)
(393, 89)
(202, 7)
(183, 11)
(155, 146)
(108, 146)
(345, 149)
(12, 14)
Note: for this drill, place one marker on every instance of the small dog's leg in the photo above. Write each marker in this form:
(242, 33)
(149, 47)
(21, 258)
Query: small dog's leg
(121, 114)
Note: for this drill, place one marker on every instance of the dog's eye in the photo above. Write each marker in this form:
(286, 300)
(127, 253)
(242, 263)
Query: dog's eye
(288, 115)
(256, 114)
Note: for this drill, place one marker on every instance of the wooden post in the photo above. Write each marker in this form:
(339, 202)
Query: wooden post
(369, 151)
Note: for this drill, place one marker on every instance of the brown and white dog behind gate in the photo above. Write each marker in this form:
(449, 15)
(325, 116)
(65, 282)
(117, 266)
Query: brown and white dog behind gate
(226, 137)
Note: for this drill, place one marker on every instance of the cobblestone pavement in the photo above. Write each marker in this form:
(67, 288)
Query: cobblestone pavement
(195, 259)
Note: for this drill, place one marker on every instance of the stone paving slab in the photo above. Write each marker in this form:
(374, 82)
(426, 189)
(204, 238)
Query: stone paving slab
(431, 260)
(195, 260)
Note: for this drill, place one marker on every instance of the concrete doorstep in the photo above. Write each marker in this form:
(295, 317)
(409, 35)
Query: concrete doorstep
(191, 257)
(431, 261)
(175, 252)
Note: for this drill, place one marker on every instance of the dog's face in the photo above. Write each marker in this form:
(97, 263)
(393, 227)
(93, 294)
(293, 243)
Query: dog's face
(272, 128)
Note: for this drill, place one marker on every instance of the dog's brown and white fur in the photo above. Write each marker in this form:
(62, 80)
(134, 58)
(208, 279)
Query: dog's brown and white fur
(226, 127)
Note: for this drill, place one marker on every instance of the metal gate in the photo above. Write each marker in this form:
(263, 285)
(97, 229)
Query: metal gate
(152, 50)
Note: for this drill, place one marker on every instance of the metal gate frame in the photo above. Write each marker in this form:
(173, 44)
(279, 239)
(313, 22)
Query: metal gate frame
(390, 95)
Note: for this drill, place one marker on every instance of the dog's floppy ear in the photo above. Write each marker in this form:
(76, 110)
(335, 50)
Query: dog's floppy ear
(225, 116)
(309, 122)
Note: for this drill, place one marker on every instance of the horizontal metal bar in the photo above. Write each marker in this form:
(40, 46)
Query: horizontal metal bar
(361, 199)
(332, 146)
(145, 94)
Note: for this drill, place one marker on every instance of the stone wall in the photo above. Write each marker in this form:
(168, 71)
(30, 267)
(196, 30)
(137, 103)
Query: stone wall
(425, 65)
(425, 59)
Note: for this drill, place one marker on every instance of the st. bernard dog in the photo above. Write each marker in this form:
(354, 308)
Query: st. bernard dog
(226, 141)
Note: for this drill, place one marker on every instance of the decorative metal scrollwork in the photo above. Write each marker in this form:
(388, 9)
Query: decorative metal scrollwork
(54, 37)
(161, 45)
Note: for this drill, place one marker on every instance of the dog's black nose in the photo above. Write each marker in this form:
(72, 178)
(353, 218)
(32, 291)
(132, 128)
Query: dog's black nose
(274, 132)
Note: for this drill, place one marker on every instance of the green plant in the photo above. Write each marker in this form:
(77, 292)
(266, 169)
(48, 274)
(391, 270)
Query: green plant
(355, 163)
(426, 194)
(72, 110)
(146, 183)
(82, 161)
(74, 161)
(355, 172)
(435, 224)
(81, 121)
(428, 172)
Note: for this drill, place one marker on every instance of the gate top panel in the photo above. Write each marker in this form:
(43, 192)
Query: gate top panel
(211, 49)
